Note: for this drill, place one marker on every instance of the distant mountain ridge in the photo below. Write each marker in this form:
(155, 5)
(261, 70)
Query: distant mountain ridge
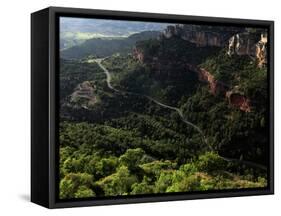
(74, 31)
(108, 27)
(102, 47)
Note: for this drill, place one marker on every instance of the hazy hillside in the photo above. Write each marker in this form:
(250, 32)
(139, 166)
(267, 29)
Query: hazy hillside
(102, 47)
(75, 31)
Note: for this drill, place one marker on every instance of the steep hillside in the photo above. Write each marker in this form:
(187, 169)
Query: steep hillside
(229, 89)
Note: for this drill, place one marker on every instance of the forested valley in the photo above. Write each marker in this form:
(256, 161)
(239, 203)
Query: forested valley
(162, 113)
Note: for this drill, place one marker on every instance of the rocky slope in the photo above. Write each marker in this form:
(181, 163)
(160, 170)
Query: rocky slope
(83, 95)
(235, 41)
(235, 97)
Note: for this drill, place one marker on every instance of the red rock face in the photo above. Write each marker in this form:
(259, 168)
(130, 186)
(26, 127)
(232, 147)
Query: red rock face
(216, 87)
(235, 99)
(207, 77)
(239, 101)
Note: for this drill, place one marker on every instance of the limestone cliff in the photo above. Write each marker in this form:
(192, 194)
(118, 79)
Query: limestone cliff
(253, 44)
(240, 41)
(201, 35)
(261, 50)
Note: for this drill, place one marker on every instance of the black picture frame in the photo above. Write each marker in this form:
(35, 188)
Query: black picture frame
(44, 105)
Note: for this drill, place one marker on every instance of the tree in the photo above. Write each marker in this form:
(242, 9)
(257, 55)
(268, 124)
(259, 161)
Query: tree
(155, 168)
(183, 183)
(143, 188)
(164, 181)
(76, 184)
(106, 166)
(118, 183)
(210, 162)
(83, 192)
(132, 158)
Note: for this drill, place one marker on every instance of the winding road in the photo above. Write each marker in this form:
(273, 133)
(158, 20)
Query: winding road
(204, 140)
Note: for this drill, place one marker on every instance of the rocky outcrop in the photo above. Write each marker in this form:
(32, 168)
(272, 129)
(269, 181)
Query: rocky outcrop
(138, 54)
(243, 44)
(261, 51)
(237, 99)
(202, 36)
(83, 95)
(205, 76)
(253, 44)
(216, 87)
(240, 41)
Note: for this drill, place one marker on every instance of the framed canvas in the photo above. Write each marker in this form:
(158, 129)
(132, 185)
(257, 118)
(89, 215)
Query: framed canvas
(139, 107)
